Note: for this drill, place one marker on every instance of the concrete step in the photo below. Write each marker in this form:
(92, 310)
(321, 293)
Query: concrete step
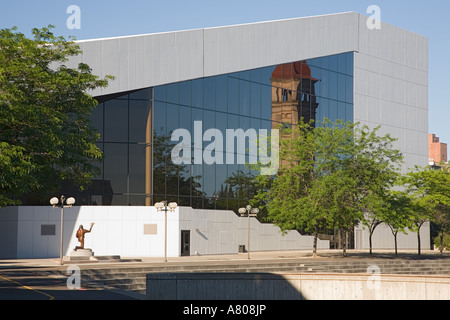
(134, 278)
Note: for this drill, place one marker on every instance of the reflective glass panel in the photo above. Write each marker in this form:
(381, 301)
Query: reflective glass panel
(136, 130)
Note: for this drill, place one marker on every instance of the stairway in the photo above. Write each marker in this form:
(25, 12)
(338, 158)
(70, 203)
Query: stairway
(133, 278)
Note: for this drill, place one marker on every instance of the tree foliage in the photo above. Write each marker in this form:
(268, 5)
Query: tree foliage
(331, 176)
(45, 106)
(429, 192)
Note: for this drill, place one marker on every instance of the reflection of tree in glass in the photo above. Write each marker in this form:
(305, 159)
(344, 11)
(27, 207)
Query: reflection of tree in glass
(169, 179)
(240, 190)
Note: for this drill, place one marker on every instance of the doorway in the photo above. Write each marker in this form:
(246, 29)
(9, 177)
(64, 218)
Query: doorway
(185, 242)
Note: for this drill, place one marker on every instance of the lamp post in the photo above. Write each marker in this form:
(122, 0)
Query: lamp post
(55, 202)
(251, 212)
(163, 206)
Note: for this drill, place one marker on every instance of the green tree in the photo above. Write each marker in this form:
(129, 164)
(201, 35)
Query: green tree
(429, 190)
(335, 147)
(329, 176)
(375, 167)
(399, 213)
(288, 197)
(45, 132)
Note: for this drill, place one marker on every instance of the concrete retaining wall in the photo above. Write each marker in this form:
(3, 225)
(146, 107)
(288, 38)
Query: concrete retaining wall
(135, 231)
(267, 286)
(382, 238)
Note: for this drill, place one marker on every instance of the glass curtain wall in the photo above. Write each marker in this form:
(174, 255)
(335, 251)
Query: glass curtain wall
(136, 130)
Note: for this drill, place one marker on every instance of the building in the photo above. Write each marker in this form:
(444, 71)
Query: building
(251, 76)
(437, 151)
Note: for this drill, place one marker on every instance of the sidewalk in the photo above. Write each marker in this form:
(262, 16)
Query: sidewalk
(30, 279)
(254, 256)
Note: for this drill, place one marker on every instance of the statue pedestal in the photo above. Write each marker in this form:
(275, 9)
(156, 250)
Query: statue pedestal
(87, 256)
(81, 255)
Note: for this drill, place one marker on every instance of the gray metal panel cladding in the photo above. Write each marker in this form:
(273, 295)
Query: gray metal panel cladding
(148, 60)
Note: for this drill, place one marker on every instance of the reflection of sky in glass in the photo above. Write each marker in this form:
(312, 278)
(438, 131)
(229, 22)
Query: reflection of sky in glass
(237, 100)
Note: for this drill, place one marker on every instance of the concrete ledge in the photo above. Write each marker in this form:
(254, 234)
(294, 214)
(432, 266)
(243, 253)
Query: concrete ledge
(270, 286)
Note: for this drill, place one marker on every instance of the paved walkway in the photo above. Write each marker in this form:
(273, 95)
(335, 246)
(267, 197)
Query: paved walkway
(254, 256)
(20, 279)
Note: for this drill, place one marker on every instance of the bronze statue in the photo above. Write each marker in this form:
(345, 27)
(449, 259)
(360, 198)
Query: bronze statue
(80, 235)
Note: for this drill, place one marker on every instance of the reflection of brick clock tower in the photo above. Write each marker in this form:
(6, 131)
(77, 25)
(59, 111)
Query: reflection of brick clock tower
(293, 93)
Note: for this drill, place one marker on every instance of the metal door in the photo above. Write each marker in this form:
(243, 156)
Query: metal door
(185, 242)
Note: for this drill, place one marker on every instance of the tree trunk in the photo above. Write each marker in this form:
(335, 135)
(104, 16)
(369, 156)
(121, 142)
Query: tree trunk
(395, 243)
(370, 242)
(418, 242)
(419, 225)
(316, 235)
(441, 246)
(344, 243)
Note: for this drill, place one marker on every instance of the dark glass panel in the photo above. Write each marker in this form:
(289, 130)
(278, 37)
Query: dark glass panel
(319, 111)
(197, 202)
(185, 93)
(341, 87)
(178, 105)
(160, 93)
(209, 120)
(144, 94)
(342, 61)
(136, 200)
(209, 181)
(317, 74)
(333, 63)
(184, 201)
(197, 115)
(233, 95)
(116, 121)
(99, 164)
(326, 107)
(173, 93)
(266, 102)
(265, 124)
(333, 86)
(140, 118)
(173, 113)
(255, 99)
(266, 75)
(245, 75)
(197, 93)
(333, 110)
(222, 122)
(97, 119)
(186, 118)
(137, 172)
(233, 121)
(349, 112)
(209, 86)
(159, 118)
(314, 63)
(197, 180)
(325, 83)
(342, 111)
(185, 180)
(120, 200)
(221, 93)
(244, 123)
(349, 63)
(255, 75)
(116, 166)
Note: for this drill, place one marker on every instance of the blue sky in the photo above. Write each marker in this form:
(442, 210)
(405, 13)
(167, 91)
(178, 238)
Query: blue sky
(108, 18)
